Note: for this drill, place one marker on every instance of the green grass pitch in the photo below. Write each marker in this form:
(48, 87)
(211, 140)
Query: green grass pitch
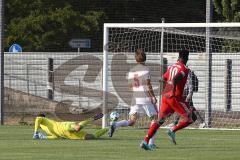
(16, 143)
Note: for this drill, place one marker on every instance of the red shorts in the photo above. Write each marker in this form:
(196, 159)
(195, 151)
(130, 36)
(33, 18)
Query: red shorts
(174, 104)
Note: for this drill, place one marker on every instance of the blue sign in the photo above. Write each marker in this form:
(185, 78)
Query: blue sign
(80, 43)
(15, 48)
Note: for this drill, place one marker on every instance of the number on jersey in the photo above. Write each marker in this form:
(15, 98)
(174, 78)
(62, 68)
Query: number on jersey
(173, 72)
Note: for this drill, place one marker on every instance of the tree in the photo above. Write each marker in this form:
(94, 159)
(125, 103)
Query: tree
(48, 25)
(45, 25)
(228, 10)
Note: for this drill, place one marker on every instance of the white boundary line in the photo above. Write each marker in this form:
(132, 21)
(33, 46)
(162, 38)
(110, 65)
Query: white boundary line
(212, 129)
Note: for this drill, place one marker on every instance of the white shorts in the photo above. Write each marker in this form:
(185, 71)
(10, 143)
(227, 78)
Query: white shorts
(147, 109)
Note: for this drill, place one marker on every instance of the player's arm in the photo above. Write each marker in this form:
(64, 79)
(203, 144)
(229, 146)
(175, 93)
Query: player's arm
(150, 88)
(190, 87)
(190, 79)
(176, 79)
(38, 121)
(51, 137)
(150, 91)
(130, 86)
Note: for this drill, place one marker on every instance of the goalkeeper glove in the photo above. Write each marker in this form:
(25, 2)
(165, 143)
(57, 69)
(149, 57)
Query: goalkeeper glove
(35, 135)
(42, 135)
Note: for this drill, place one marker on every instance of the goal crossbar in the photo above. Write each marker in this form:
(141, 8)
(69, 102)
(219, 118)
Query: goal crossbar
(146, 25)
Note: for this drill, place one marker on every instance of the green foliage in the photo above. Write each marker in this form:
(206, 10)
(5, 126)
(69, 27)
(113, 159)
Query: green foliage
(231, 46)
(48, 25)
(228, 10)
(45, 26)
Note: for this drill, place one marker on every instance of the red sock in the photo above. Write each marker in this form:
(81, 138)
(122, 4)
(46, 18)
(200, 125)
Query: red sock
(151, 131)
(181, 125)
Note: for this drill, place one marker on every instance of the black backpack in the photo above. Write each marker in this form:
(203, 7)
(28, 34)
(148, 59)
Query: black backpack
(194, 81)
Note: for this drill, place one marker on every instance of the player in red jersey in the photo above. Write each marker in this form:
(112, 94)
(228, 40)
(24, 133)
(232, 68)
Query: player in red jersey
(172, 99)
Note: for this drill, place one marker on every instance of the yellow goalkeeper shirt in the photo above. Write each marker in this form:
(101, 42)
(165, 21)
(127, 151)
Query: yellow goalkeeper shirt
(60, 129)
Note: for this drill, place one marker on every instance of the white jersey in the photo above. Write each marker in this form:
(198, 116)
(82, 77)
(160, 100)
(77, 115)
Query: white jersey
(138, 77)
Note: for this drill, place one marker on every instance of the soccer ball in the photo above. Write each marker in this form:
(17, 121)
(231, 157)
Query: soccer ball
(114, 116)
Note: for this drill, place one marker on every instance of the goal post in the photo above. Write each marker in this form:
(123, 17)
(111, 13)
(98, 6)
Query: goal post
(223, 42)
(2, 62)
(105, 76)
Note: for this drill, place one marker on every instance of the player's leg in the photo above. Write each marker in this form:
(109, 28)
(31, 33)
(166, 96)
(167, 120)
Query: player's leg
(176, 119)
(164, 112)
(78, 126)
(176, 116)
(198, 116)
(96, 135)
(188, 117)
(100, 132)
(151, 132)
(75, 129)
(183, 109)
(133, 116)
(151, 142)
(89, 136)
(83, 135)
(123, 123)
(151, 112)
(185, 122)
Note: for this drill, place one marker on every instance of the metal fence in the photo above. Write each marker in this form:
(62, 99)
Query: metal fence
(77, 85)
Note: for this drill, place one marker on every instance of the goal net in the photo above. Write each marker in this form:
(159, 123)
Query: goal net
(214, 58)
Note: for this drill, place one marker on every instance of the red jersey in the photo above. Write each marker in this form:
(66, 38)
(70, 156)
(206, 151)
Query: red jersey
(171, 72)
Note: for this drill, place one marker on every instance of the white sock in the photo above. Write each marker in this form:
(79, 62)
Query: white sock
(152, 140)
(123, 123)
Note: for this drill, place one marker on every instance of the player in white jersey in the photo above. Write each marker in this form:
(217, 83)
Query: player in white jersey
(143, 99)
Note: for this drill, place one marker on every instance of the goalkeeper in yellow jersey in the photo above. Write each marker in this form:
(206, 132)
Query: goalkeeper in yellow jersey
(46, 128)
